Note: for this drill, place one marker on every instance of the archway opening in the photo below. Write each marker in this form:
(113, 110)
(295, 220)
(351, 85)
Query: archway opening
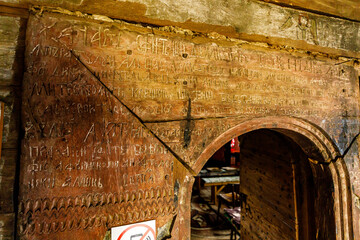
(286, 188)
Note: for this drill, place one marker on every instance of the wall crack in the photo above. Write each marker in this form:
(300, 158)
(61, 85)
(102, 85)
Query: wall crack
(177, 157)
(327, 162)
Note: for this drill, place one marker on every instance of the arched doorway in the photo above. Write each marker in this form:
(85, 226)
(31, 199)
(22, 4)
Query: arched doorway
(315, 145)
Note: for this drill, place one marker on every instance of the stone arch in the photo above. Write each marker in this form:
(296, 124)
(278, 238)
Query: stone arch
(313, 140)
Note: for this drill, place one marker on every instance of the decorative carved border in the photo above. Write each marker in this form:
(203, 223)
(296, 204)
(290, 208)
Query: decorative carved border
(45, 216)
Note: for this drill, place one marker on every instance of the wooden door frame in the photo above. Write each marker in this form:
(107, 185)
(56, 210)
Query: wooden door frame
(291, 127)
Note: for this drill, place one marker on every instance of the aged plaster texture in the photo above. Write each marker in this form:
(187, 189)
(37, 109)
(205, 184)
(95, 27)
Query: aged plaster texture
(244, 18)
(262, 19)
(347, 9)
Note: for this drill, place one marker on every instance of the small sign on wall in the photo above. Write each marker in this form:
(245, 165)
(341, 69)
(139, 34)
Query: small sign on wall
(137, 231)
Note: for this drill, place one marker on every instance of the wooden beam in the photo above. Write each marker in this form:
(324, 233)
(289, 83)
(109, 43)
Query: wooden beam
(295, 186)
(14, 10)
(349, 9)
(2, 109)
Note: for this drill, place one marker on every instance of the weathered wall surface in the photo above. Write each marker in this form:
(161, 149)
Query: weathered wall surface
(109, 108)
(345, 9)
(162, 72)
(11, 51)
(255, 18)
(247, 19)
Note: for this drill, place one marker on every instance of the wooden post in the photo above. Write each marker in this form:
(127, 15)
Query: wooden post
(2, 109)
(295, 185)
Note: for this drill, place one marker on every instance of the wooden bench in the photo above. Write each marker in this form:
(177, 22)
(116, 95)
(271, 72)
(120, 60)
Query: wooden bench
(218, 183)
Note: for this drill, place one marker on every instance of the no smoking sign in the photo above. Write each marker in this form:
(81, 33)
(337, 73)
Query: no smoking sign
(136, 231)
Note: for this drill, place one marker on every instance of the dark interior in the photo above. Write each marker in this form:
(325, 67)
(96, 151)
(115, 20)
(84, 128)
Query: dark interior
(284, 194)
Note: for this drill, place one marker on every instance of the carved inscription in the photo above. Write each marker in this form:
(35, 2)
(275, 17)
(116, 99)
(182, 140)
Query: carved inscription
(161, 69)
(87, 85)
(82, 147)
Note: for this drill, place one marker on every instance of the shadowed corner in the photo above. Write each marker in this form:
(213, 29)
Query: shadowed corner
(107, 235)
(188, 126)
(164, 232)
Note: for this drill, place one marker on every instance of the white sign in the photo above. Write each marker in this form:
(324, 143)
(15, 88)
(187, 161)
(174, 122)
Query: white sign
(136, 231)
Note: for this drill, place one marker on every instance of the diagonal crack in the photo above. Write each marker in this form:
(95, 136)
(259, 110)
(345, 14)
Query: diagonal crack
(188, 128)
(168, 229)
(349, 147)
(187, 166)
(189, 118)
(339, 156)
